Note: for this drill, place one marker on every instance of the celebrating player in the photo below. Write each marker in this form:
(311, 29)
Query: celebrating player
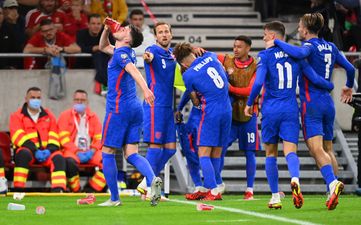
(159, 127)
(123, 120)
(206, 75)
(241, 70)
(279, 73)
(318, 110)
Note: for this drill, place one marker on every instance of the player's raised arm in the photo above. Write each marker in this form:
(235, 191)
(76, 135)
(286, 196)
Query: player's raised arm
(137, 76)
(317, 80)
(258, 83)
(242, 91)
(104, 44)
(294, 51)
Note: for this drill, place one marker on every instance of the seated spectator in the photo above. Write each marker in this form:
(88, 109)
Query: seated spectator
(115, 9)
(26, 5)
(12, 34)
(136, 18)
(34, 135)
(351, 28)
(47, 9)
(80, 137)
(77, 19)
(50, 42)
(65, 6)
(88, 40)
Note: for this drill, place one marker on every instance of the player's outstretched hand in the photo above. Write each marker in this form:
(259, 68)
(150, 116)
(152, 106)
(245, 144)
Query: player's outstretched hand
(148, 57)
(149, 97)
(248, 111)
(346, 95)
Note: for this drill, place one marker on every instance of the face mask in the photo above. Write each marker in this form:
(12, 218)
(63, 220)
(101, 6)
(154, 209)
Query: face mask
(79, 108)
(34, 103)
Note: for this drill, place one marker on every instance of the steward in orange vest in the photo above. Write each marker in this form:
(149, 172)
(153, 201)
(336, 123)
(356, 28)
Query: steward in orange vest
(80, 137)
(34, 134)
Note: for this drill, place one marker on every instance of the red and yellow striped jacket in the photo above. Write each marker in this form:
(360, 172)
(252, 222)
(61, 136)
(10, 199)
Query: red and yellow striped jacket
(68, 130)
(43, 134)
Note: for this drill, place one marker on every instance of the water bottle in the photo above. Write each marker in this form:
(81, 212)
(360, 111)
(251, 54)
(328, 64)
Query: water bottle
(14, 206)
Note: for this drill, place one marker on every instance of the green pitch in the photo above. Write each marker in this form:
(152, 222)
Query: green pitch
(232, 210)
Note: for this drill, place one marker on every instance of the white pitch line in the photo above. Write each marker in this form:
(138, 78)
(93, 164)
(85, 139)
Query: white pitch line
(251, 213)
(225, 221)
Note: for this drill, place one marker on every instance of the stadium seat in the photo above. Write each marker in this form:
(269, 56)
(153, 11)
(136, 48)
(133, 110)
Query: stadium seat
(5, 146)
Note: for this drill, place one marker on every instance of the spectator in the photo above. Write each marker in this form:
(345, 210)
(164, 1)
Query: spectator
(77, 19)
(12, 34)
(326, 8)
(26, 5)
(88, 40)
(65, 6)
(136, 18)
(50, 42)
(80, 137)
(116, 9)
(47, 9)
(352, 30)
(34, 135)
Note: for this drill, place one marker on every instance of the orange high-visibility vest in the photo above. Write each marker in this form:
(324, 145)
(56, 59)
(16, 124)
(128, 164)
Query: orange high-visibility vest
(42, 133)
(68, 130)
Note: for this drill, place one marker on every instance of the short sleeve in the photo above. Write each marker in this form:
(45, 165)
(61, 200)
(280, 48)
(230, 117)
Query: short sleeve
(122, 58)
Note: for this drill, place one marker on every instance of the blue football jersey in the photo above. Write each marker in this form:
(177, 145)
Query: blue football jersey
(160, 75)
(207, 76)
(322, 57)
(121, 85)
(280, 81)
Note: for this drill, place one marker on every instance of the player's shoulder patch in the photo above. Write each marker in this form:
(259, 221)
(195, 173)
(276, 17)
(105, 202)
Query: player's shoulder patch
(307, 44)
(123, 55)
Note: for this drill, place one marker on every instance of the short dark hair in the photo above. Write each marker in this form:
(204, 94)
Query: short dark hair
(159, 24)
(136, 12)
(313, 22)
(137, 36)
(93, 15)
(33, 89)
(245, 39)
(182, 51)
(46, 22)
(81, 91)
(276, 26)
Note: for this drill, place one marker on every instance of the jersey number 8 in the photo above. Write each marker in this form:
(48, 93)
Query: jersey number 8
(213, 73)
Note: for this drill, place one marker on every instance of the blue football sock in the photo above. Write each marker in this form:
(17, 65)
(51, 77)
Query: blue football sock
(250, 167)
(216, 162)
(327, 174)
(154, 156)
(293, 164)
(110, 173)
(142, 166)
(272, 173)
(195, 173)
(121, 175)
(167, 153)
(221, 165)
(208, 172)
